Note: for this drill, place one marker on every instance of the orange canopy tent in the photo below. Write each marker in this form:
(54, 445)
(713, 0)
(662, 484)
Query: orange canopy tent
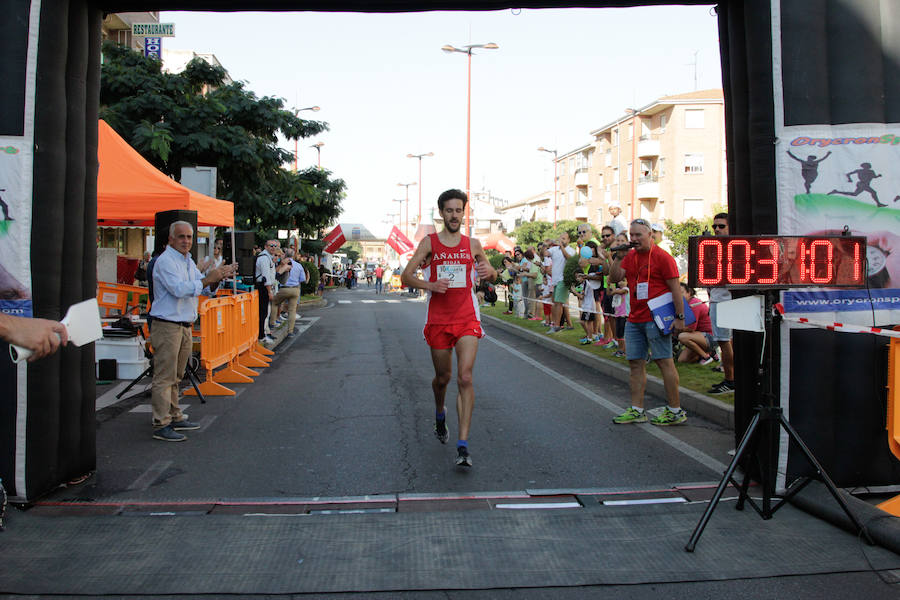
(496, 241)
(130, 191)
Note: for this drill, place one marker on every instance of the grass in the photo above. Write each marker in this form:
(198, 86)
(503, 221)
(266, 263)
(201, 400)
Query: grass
(692, 376)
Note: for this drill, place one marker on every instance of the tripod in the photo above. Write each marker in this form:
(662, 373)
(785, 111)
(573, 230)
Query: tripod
(770, 420)
(190, 371)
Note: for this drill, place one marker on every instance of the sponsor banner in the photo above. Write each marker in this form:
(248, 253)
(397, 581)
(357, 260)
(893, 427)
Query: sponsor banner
(400, 243)
(836, 178)
(333, 240)
(15, 226)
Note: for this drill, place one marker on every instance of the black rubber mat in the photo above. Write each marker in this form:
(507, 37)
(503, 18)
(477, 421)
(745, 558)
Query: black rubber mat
(221, 554)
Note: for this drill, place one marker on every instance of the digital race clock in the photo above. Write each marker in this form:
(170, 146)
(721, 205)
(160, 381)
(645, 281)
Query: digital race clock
(766, 261)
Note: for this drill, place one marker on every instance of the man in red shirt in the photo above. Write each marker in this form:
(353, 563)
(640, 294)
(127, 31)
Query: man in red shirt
(379, 273)
(650, 272)
(450, 262)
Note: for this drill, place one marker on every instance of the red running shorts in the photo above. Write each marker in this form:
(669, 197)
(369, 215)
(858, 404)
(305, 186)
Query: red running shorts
(443, 337)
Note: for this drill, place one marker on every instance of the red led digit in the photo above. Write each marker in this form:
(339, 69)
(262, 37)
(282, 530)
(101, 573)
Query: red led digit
(703, 261)
(814, 262)
(802, 257)
(773, 262)
(857, 263)
(730, 260)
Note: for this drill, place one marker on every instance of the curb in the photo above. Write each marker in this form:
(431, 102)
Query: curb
(719, 413)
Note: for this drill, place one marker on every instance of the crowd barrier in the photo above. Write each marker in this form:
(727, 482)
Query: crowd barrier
(228, 331)
(121, 297)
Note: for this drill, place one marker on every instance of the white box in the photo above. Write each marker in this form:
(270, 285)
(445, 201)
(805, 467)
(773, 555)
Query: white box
(121, 349)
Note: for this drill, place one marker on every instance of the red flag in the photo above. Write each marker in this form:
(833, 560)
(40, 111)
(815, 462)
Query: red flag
(334, 240)
(399, 242)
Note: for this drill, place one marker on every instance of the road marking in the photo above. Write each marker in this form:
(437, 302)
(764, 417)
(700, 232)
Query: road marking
(147, 408)
(206, 421)
(657, 432)
(644, 501)
(345, 302)
(392, 301)
(150, 475)
(368, 301)
(539, 505)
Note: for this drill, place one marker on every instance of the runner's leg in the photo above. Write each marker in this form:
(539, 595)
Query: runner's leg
(443, 369)
(466, 350)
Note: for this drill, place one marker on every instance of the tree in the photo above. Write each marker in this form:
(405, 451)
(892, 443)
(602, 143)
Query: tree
(529, 234)
(195, 118)
(679, 233)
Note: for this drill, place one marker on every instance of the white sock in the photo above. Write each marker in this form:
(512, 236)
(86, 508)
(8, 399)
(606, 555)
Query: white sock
(637, 408)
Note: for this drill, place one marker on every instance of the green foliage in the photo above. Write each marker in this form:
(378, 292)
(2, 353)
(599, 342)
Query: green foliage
(353, 250)
(312, 247)
(679, 233)
(312, 284)
(495, 258)
(570, 270)
(529, 234)
(194, 118)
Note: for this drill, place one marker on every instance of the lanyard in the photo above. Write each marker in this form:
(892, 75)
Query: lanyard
(649, 256)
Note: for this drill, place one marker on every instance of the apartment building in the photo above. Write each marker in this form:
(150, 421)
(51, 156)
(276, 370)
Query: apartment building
(665, 160)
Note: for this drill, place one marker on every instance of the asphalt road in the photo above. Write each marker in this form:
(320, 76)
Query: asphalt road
(346, 409)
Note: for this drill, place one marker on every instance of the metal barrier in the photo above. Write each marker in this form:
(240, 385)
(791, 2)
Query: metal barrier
(217, 347)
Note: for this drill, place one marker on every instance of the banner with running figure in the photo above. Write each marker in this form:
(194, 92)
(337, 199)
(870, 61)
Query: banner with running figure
(836, 178)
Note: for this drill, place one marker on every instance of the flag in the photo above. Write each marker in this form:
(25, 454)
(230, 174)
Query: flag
(399, 242)
(334, 240)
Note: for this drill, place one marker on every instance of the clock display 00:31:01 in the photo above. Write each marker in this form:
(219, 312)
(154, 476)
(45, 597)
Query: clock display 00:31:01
(777, 261)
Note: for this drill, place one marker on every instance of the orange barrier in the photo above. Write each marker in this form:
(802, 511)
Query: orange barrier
(228, 338)
(892, 506)
(258, 348)
(119, 296)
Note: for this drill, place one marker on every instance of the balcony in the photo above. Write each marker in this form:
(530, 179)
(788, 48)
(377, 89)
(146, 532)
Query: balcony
(647, 147)
(648, 187)
(581, 178)
(581, 212)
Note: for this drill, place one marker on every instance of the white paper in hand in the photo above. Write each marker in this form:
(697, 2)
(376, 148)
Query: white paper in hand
(82, 323)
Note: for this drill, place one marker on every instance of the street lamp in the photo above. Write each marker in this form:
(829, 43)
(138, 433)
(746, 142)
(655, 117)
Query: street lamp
(634, 133)
(318, 147)
(553, 152)
(406, 222)
(468, 51)
(419, 156)
(297, 111)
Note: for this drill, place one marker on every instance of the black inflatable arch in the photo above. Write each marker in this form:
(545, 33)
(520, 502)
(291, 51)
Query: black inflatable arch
(59, 442)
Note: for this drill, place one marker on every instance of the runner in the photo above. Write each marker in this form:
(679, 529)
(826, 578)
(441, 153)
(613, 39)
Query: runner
(450, 263)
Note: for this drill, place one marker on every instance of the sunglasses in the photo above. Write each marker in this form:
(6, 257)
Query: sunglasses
(606, 235)
(719, 226)
(641, 222)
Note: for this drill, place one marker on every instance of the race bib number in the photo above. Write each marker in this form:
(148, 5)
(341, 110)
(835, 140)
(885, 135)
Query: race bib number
(643, 290)
(455, 274)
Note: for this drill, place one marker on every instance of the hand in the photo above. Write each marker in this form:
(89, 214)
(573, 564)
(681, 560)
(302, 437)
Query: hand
(678, 326)
(271, 294)
(483, 269)
(440, 286)
(42, 336)
(580, 276)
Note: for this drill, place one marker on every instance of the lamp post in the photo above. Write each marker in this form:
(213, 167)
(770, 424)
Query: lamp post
(297, 111)
(553, 152)
(467, 50)
(406, 222)
(318, 147)
(634, 133)
(419, 156)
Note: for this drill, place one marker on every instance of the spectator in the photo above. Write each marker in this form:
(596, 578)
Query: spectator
(141, 274)
(607, 239)
(176, 283)
(592, 279)
(507, 275)
(518, 302)
(523, 266)
(215, 261)
(697, 338)
(535, 280)
(650, 272)
(721, 335)
(290, 291)
(617, 222)
(264, 278)
(559, 252)
(379, 275)
(619, 304)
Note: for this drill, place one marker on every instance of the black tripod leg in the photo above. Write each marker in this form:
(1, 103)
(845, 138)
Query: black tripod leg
(134, 382)
(739, 453)
(826, 479)
(190, 373)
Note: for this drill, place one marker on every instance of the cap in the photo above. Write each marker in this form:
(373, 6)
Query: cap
(657, 227)
(614, 204)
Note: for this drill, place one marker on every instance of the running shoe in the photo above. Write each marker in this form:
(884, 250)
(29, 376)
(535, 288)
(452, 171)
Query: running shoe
(723, 387)
(718, 369)
(709, 359)
(462, 457)
(440, 430)
(632, 415)
(552, 330)
(584, 341)
(669, 417)
(619, 354)
(612, 344)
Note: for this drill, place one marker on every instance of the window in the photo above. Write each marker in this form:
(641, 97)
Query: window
(571, 196)
(616, 176)
(562, 167)
(662, 166)
(662, 122)
(630, 131)
(693, 207)
(607, 196)
(628, 172)
(582, 198)
(609, 157)
(615, 137)
(693, 118)
(693, 163)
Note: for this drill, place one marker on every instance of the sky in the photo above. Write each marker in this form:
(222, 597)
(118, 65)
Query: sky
(387, 90)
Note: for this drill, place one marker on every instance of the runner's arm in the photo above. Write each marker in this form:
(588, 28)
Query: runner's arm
(408, 276)
(482, 265)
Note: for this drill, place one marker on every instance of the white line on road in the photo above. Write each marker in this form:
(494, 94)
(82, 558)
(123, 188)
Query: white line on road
(368, 301)
(392, 301)
(701, 457)
(150, 475)
(345, 302)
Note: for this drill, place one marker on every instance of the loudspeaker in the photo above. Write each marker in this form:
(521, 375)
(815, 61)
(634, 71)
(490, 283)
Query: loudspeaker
(164, 220)
(243, 245)
(107, 369)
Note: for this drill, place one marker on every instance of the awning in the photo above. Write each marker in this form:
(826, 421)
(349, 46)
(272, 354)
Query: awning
(130, 191)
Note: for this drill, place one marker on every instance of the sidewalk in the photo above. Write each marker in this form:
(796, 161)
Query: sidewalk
(709, 408)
